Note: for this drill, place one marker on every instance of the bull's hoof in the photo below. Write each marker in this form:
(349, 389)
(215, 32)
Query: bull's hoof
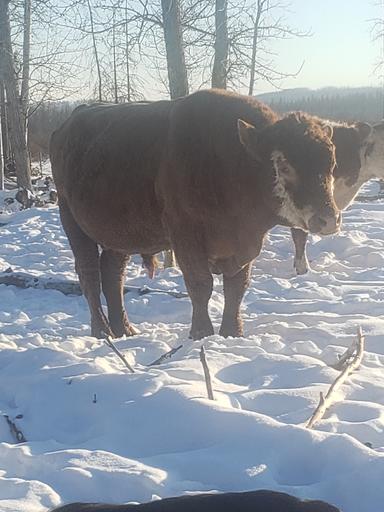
(133, 330)
(231, 332)
(301, 266)
(101, 331)
(199, 334)
(126, 329)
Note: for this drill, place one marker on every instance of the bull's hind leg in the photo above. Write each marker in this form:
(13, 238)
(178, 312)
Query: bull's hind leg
(234, 289)
(113, 265)
(86, 255)
(299, 238)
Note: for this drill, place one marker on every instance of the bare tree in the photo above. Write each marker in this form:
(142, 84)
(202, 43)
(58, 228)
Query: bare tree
(126, 48)
(219, 71)
(3, 125)
(95, 50)
(261, 5)
(177, 71)
(15, 121)
(24, 94)
(173, 37)
(254, 25)
(114, 56)
(1, 163)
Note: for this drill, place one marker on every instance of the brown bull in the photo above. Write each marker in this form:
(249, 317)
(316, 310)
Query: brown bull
(207, 175)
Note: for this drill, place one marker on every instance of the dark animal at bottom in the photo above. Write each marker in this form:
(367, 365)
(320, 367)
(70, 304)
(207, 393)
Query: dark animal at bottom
(254, 501)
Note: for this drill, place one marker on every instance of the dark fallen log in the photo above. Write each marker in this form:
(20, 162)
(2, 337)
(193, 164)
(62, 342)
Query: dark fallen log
(69, 287)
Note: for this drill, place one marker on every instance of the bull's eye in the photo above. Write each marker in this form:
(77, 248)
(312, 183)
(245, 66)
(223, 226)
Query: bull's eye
(369, 149)
(282, 166)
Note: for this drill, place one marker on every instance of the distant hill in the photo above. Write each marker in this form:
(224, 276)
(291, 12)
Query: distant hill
(338, 103)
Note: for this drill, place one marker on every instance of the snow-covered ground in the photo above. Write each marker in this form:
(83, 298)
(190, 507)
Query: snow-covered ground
(97, 433)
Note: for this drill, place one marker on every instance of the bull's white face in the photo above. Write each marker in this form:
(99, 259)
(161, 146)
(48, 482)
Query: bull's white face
(301, 160)
(297, 216)
(372, 166)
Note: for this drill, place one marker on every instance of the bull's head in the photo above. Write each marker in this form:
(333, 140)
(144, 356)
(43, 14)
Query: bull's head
(354, 151)
(299, 153)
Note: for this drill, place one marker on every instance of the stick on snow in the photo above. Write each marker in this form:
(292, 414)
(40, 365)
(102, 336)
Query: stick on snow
(327, 400)
(165, 356)
(207, 374)
(108, 341)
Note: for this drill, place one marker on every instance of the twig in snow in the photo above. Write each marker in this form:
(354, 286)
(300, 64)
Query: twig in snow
(165, 356)
(108, 341)
(207, 374)
(327, 400)
(17, 434)
(346, 357)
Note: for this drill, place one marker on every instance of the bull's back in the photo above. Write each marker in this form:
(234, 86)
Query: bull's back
(105, 159)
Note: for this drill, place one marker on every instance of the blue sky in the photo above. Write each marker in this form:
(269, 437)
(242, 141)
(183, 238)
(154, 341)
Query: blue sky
(340, 52)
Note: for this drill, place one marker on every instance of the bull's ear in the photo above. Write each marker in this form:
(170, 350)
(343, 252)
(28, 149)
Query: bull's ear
(364, 130)
(247, 136)
(328, 130)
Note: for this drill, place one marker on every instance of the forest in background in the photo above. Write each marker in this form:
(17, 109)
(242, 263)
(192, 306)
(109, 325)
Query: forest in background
(339, 104)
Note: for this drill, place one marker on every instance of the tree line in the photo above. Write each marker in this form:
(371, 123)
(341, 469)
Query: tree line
(338, 105)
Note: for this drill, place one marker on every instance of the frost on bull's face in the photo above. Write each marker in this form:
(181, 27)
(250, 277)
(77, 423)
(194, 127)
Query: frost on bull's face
(306, 203)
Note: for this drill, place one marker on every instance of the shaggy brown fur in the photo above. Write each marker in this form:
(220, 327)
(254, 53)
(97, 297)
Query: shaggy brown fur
(142, 178)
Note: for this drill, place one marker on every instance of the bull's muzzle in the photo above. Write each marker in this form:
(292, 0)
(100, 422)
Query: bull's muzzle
(325, 224)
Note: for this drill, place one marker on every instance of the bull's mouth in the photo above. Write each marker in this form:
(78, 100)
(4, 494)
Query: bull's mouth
(326, 232)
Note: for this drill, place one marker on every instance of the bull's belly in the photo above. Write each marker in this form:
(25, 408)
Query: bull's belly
(121, 232)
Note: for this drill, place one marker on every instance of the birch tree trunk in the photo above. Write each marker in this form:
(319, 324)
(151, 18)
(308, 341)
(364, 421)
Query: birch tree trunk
(219, 70)
(115, 92)
(128, 71)
(15, 121)
(255, 41)
(173, 37)
(177, 71)
(96, 53)
(24, 95)
(4, 135)
(1, 163)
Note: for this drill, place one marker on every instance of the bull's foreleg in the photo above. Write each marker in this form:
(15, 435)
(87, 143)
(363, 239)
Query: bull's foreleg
(193, 262)
(86, 255)
(113, 266)
(234, 289)
(299, 238)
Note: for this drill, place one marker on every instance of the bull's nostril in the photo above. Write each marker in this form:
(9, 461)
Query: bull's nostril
(316, 223)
